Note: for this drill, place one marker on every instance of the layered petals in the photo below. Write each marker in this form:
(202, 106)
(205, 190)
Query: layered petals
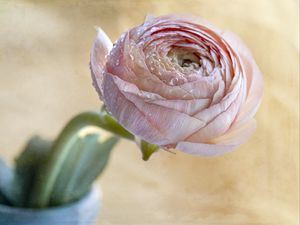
(180, 82)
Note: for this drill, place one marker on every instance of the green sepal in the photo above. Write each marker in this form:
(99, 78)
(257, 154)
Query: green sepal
(147, 149)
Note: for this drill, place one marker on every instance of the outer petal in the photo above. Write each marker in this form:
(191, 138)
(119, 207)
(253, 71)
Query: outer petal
(101, 48)
(236, 136)
(220, 124)
(252, 75)
(204, 149)
(128, 115)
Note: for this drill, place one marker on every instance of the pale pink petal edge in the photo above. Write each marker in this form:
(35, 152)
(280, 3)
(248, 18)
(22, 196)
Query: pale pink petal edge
(100, 49)
(231, 140)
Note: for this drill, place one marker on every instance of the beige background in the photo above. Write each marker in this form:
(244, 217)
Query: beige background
(45, 79)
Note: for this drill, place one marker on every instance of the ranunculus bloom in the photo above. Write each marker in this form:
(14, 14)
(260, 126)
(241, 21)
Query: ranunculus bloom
(179, 83)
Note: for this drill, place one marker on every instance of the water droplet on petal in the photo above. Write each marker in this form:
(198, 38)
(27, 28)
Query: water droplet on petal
(185, 95)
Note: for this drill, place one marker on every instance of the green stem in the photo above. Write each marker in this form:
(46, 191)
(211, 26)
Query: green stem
(49, 171)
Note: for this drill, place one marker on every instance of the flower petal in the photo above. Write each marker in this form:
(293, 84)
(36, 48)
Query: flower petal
(232, 139)
(172, 124)
(128, 114)
(225, 115)
(237, 134)
(253, 76)
(204, 149)
(188, 107)
(101, 48)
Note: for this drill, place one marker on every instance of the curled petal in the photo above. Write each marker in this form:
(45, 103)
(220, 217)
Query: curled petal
(100, 49)
(253, 77)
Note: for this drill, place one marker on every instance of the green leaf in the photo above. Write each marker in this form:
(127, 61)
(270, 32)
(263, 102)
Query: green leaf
(10, 192)
(98, 160)
(88, 160)
(80, 148)
(3, 200)
(28, 164)
(34, 153)
(77, 146)
(46, 178)
(47, 175)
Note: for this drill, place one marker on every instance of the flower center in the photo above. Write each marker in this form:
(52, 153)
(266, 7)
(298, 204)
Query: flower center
(185, 59)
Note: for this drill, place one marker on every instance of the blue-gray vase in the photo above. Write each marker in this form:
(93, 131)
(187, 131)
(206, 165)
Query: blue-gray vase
(82, 212)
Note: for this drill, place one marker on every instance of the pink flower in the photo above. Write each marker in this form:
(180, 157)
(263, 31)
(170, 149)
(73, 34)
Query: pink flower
(179, 83)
